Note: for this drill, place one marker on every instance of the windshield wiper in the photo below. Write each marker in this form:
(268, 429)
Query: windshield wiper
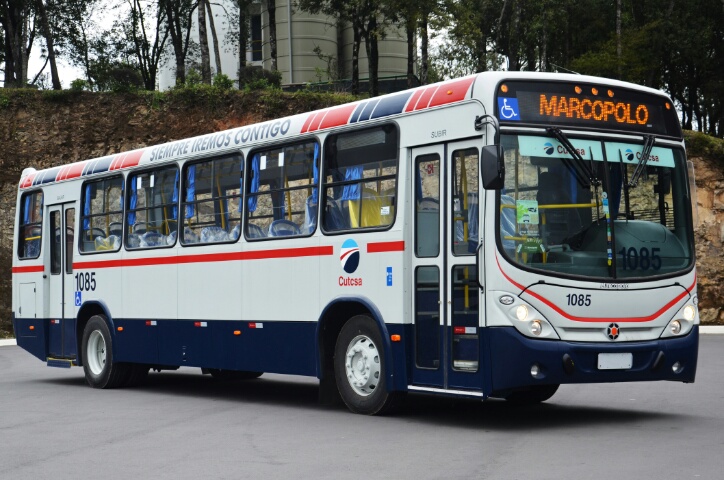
(581, 170)
(649, 141)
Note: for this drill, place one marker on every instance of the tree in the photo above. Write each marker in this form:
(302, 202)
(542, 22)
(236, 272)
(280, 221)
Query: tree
(145, 38)
(178, 18)
(204, 42)
(17, 19)
(48, 34)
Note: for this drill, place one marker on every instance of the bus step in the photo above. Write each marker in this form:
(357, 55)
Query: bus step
(60, 362)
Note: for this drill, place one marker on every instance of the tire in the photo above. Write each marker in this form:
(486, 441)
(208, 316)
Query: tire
(533, 395)
(97, 347)
(232, 375)
(360, 368)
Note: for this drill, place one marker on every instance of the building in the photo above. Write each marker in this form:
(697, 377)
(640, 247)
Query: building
(309, 47)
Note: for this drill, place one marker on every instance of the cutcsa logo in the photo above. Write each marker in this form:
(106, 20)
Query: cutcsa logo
(548, 148)
(629, 155)
(349, 258)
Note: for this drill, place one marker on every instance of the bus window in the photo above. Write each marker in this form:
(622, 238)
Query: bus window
(152, 208)
(465, 201)
(211, 202)
(31, 225)
(360, 179)
(282, 191)
(102, 207)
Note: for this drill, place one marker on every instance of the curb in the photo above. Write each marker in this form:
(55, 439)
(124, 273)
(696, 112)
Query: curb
(705, 330)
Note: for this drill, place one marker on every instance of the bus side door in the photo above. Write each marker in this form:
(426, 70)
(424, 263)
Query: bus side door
(446, 297)
(61, 285)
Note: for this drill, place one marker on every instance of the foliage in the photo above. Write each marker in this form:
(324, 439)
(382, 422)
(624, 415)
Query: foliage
(223, 82)
(702, 145)
(79, 85)
(255, 78)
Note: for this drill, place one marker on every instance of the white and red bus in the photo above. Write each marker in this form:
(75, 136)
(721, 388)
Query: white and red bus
(491, 236)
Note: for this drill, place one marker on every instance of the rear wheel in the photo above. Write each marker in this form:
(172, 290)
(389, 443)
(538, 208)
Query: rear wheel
(360, 368)
(97, 346)
(533, 395)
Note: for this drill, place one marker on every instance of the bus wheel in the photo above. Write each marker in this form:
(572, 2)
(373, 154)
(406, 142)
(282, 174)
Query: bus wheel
(359, 368)
(231, 375)
(100, 370)
(533, 395)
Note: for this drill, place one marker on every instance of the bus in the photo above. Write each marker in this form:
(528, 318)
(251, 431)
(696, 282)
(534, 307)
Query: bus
(491, 236)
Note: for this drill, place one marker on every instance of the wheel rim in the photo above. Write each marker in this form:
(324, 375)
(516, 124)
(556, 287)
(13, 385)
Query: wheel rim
(362, 365)
(96, 352)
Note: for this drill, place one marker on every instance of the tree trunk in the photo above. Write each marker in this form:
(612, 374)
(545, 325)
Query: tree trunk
(217, 55)
(204, 43)
(373, 57)
(174, 26)
(49, 42)
(243, 33)
(618, 39)
(271, 9)
(355, 57)
(424, 53)
(410, 30)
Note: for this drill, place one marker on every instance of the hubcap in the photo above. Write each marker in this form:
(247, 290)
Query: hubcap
(96, 352)
(362, 365)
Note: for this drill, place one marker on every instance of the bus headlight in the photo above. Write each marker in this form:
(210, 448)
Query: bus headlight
(521, 312)
(682, 323)
(689, 313)
(675, 327)
(535, 327)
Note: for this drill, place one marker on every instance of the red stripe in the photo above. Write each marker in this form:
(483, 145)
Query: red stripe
(338, 116)
(425, 98)
(307, 122)
(451, 92)
(207, 258)
(27, 181)
(413, 100)
(28, 269)
(573, 318)
(386, 247)
(317, 121)
(72, 171)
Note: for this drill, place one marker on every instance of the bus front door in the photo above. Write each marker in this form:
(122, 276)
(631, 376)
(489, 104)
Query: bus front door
(61, 286)
(446, 301)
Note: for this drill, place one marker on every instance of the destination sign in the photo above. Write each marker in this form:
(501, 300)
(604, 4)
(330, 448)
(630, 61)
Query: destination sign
(586, 105)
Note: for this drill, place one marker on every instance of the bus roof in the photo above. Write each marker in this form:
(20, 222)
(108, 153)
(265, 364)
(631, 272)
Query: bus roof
(412, 100)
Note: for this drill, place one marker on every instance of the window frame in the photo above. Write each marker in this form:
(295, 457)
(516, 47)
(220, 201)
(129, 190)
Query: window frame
(21, 239)
(122, 211)
(127, 208)
(324, 185)
(247, 194)
(183, 203)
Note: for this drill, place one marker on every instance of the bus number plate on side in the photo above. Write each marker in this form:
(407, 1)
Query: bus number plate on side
(615, 361)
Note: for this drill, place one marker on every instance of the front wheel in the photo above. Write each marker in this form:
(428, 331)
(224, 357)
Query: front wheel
(97, 347)
(360, 368)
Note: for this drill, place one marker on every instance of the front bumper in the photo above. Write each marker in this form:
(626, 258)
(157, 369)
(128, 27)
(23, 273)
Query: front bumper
(562, 362)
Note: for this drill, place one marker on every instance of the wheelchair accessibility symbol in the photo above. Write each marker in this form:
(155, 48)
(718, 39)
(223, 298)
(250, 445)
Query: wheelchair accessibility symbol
(508, 109)
(77, 299)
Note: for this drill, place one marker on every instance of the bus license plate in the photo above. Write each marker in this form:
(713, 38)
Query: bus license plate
(615, 361)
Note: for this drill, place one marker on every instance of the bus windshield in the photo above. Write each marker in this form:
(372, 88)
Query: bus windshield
(587, 215)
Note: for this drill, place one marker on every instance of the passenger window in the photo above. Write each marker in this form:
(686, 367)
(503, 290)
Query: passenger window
(360, 179)
(282, 191)
(102, 207)
(152, 213)
(211, 203)
(465, 201)
(31, 225)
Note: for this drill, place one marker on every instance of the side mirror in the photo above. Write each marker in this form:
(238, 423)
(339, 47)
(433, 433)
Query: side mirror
(492, 167)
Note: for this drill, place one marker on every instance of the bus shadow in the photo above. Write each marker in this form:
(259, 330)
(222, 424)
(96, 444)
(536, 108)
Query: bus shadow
(302, 393)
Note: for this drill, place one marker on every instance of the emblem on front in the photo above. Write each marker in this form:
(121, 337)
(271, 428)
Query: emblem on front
(613, 331)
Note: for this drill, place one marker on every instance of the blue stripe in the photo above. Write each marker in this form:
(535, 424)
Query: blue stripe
(48, 176)
(369, 108)
(391, 106)
(357, 112)
(100, 165)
